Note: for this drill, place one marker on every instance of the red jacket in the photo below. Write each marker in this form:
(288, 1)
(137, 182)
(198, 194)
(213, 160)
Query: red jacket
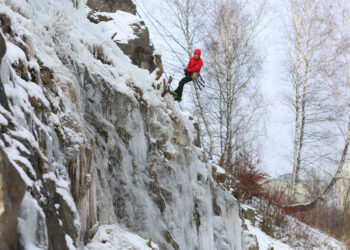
(194, 65)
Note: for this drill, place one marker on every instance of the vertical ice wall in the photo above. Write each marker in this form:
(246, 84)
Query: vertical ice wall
(87, 140)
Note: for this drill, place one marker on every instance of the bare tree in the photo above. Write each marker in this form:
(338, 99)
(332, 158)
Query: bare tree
(234, 65)
(322, 196)
(306, 34)
(336, 72)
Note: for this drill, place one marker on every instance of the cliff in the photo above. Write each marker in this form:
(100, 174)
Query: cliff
(91, 155)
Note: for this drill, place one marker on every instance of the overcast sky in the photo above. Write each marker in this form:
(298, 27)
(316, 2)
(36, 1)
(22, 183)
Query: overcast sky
(279, 137)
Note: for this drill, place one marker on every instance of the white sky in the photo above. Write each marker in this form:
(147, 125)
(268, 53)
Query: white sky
(279, 126)
(278, 143)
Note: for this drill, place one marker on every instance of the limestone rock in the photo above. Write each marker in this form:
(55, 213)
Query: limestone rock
(3, 99)
(139, 49)
(219, 174)
(112, 5)
(220, 178)
(12, 189)
(90, 143)
(250, 241)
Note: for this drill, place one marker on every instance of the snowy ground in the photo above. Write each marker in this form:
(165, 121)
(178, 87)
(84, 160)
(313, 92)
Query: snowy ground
(114, 237)
(265, 241)
(294, 235)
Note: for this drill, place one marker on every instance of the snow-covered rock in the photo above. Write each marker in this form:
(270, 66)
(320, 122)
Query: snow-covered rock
(90, 153)
(128, 31)
(112, 6)
(114, 237)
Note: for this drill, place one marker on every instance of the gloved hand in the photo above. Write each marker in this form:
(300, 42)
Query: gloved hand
(194, 75)
(185, 71)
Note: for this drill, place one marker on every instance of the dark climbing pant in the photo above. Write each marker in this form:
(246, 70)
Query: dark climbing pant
(183, 81)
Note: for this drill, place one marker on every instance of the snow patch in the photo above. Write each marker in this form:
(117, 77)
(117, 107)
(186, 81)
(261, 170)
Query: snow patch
(219, 169)
(265, 241)
(32, 225)
(158, 52)
(14, 53)
(3, 120)
(66, 195)
(120, 28)
(69, 242)
(116, 238)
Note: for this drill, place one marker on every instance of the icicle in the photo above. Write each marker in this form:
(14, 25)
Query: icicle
(79, 4)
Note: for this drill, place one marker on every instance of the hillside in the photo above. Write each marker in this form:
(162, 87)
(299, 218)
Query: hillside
(91, 155)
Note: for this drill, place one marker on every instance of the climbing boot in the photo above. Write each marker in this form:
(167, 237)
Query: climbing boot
(173, 93)
(177, 98)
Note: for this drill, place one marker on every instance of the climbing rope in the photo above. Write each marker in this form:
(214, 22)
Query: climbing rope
(150, 19)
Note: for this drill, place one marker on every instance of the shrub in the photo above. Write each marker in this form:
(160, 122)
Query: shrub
(273, 202)
(246, 180)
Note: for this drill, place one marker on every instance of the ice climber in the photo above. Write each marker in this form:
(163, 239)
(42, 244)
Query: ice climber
(191, 73)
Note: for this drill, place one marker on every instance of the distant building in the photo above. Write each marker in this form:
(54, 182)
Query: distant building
(286, 178)
(343, 184)
(283, 183)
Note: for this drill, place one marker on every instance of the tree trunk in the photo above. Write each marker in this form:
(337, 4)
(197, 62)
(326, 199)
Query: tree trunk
(321, 197)
(205, 120)
(296, 163)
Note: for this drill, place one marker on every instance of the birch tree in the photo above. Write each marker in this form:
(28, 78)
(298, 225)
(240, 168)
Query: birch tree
(336, 75)
(306, 36)
(234, 66)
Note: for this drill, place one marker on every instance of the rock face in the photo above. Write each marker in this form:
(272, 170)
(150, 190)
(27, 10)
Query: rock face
(3, 99)
(12, 187)
(138, 48)
(112, 5)
(11, 195)
(88, 141)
